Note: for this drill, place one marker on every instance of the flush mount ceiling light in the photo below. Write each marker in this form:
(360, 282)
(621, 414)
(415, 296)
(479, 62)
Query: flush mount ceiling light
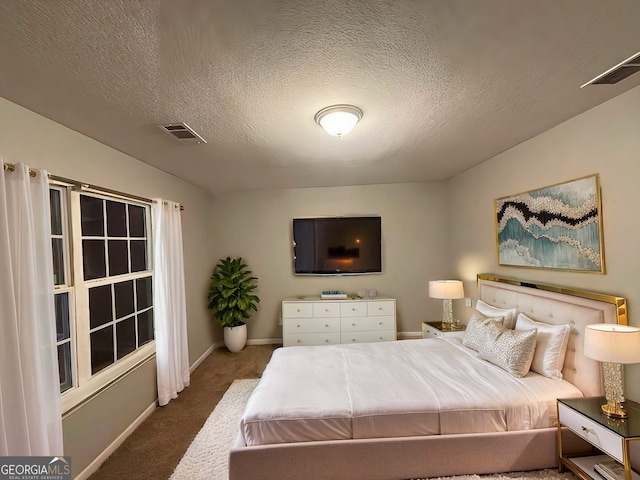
(338, 119)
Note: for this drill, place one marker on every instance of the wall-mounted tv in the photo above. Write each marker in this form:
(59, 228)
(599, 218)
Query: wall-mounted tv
(337, 245)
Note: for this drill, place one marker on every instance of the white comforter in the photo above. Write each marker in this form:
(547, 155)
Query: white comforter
(392, 389)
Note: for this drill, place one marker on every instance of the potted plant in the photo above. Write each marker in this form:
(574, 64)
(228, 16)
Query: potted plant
(232, 300)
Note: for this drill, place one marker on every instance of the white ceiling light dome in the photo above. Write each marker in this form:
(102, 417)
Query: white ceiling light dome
(338, 119)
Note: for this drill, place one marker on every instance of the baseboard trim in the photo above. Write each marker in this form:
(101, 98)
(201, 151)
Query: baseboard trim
(264, 341)
(100, 459)
(409, 335)
(202, 357)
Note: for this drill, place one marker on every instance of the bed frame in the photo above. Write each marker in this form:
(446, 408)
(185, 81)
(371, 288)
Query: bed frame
(445, 455)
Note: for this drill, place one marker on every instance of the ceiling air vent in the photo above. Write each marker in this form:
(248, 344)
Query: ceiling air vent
(183, 132)
(621, 71)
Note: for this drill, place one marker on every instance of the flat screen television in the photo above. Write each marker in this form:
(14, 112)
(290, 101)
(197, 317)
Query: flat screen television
(337, 246)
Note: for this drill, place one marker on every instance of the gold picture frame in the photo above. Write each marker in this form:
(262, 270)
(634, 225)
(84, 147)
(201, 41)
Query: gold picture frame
(555, 227)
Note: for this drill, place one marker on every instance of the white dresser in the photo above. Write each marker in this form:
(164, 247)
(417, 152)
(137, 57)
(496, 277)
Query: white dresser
(312, 321)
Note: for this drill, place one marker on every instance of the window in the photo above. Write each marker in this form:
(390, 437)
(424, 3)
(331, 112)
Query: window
(105, 316)
(63, 290)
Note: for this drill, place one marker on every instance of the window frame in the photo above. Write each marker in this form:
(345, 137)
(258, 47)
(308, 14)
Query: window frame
(85, 384)
(68, 285)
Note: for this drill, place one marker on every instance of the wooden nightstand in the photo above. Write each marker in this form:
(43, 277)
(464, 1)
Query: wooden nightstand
(610, 436)
(435, 329)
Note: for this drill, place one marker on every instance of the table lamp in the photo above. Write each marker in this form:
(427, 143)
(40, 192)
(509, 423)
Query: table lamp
(612, 345)
(446, 290)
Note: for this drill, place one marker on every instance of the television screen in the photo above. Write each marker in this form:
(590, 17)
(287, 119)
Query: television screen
(337, 245)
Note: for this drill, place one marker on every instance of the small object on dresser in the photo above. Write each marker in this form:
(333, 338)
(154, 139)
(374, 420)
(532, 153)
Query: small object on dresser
(333, 295)
(611, 470)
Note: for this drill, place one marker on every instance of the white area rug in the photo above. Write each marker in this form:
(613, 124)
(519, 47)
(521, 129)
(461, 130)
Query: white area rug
(207, 457)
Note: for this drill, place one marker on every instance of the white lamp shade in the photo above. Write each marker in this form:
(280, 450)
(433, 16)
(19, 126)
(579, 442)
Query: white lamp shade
(611, 343)
(338, 119)
(447, 289)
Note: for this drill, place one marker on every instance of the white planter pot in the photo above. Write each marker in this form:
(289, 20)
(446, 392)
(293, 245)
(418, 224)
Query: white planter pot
(235, 338)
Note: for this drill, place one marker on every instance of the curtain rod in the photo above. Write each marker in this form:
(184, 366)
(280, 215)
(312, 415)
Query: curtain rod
(85, 186)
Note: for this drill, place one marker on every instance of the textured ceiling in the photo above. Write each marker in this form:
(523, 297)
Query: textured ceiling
(444, 85)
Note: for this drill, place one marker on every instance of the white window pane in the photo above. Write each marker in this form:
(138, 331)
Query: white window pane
(116, 219)
(101, 349)
(118, 257)
(63, 331)
(137, 227)
(100, 306)
(64, 366)
(92, 216)
(126, 336)
(56, 211)
(93, 259)
(57, 249)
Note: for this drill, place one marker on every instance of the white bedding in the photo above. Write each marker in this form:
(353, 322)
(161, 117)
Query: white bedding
(391, 389)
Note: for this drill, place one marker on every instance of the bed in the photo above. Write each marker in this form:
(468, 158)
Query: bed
(442, 411)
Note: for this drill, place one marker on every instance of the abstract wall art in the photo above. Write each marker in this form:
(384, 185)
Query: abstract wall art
(559, 227)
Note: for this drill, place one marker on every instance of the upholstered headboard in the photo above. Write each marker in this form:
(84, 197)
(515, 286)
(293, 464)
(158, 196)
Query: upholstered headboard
(557, 305)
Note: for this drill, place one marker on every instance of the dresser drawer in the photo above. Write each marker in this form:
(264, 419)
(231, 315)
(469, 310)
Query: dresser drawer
(368, 337)
(351, 324)
(353, 309)
(302, 339)
(383, 307)
(326, 309)
(311, 325)
(297, 309)
(591, 431)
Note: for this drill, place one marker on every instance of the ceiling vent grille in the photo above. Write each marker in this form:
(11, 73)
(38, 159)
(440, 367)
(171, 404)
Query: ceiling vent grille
(182, 132)
(621, 71)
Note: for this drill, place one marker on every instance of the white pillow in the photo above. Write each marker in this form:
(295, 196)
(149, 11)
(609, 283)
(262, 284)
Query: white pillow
(511, 350)
(487, 310)
(477, 331)
(551, 346)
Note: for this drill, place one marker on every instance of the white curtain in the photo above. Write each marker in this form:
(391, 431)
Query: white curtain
(172, 354)
(30, 407)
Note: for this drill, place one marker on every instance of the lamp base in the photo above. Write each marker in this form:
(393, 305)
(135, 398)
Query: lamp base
(613, 391)
(614, 410)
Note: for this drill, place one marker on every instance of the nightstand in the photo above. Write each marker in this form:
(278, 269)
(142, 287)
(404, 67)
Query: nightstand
(436, 329)
(610, 436)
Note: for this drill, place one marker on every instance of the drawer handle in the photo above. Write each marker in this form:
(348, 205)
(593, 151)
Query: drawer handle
(353, 309)
(326, 325)
(326, 341)
(380, 323)
(353, 324)
(381, 338)
(353, 339)
(298, 326)
(326, 309)
(298, 341)
(297, 310)
(379, 308)
(585, 429)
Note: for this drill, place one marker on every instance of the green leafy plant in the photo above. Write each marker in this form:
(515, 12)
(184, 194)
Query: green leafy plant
(230, 293)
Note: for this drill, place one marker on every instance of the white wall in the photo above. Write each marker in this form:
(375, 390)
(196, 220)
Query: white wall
(604, 140)
(257, 226)
(32, 139)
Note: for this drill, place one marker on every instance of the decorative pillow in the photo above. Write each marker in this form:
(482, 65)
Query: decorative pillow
(511, 350)
(477, 331)
(551, 346)
(487, 310)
